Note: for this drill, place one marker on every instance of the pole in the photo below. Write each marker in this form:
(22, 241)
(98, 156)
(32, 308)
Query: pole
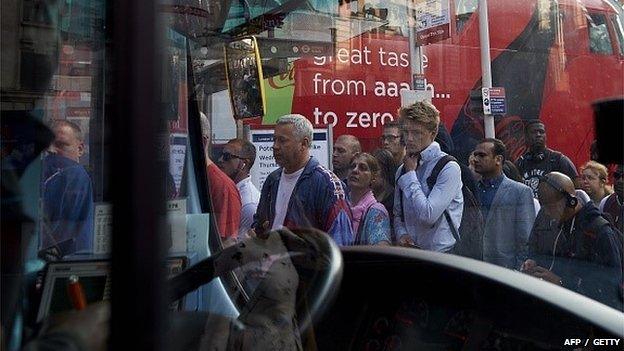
(409, 97)
(415, 50)
(417, 64)
(486, 69)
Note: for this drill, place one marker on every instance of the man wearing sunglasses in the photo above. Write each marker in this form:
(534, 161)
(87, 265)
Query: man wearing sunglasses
(236, 160)
(224, 197)
(613, 205)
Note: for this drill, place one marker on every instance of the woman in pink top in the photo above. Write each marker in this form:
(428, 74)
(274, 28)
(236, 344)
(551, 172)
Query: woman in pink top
(371, 222)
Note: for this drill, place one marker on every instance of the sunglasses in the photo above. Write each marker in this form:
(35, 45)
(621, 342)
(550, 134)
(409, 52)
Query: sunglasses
(226, 156)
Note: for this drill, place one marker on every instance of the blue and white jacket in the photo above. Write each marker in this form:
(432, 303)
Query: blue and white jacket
(318, 201)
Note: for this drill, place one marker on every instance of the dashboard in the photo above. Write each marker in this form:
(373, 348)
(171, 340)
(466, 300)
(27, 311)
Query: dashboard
(405, 299)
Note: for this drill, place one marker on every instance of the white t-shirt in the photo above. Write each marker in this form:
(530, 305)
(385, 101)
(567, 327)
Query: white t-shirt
(284, 191)
(250, 196)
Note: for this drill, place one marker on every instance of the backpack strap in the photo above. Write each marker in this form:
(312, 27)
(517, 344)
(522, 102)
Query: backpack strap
(452, 226)
(555, 156)
(431, 180)
(433, 177)
(555, 160)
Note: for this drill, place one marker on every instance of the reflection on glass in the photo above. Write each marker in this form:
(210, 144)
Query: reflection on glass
(337, 66)
(290, 277)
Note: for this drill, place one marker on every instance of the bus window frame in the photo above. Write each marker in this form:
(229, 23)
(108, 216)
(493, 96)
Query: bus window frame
(590, 23)
(231, 282)
(137, 312)
(618, 43)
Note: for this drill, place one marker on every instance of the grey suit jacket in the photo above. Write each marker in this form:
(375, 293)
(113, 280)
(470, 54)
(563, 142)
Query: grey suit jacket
(508, 225)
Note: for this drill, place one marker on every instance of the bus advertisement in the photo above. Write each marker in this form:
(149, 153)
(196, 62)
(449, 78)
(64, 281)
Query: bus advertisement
(559, 48)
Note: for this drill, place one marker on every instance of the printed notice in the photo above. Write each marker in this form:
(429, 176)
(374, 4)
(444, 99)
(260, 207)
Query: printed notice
(103, 228)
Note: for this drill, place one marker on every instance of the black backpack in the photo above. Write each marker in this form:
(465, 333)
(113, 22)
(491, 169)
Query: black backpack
(469, 237)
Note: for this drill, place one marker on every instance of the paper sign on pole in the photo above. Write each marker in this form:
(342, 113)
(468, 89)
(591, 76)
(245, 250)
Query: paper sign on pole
(432, 21)
(265, 163)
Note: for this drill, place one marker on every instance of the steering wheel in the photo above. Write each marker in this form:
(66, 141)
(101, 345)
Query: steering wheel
(297, 273)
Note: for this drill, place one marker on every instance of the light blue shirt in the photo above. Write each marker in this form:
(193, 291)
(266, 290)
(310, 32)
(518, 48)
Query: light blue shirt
(424, 208)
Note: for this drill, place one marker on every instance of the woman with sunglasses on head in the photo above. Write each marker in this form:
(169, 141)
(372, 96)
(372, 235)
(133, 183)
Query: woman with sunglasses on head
(594, 181)
(371, 221)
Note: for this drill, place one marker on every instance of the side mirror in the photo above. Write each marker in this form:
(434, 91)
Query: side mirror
(244, 76)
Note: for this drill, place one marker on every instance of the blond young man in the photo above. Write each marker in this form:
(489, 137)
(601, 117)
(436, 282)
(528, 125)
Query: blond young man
(419, 211)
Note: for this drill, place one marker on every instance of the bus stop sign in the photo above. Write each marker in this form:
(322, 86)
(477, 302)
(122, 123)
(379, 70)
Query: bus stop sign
(494, 101)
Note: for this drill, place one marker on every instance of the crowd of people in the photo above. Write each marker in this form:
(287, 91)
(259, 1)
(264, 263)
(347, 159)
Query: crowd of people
(537, 215)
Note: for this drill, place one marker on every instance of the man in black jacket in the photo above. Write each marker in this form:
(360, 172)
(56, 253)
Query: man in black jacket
(577, 248)
(539, 160)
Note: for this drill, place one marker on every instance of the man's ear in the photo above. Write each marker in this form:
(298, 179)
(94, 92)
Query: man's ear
(81, 149)
(500, 159)
(306, 143)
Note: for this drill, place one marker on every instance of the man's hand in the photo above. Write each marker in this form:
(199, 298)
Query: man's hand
(406, 240)
(545, 274)
(251, 233)
(265, 226)
(530, 267)
(410, 163)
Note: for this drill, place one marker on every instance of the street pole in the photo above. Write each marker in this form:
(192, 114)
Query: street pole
(486, 68)
(415, 50)
(409, 97)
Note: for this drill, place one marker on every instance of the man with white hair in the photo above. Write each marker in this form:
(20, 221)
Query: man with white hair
(302, 193)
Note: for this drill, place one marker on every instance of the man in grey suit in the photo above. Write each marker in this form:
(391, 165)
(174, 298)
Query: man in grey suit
(507, 207)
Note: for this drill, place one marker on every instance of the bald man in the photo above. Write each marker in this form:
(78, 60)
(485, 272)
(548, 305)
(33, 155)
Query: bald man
(573, 245)
(66, 194)
(345, 147)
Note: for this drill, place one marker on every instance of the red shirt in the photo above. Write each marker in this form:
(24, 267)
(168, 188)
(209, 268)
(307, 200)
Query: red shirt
(226, 202)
